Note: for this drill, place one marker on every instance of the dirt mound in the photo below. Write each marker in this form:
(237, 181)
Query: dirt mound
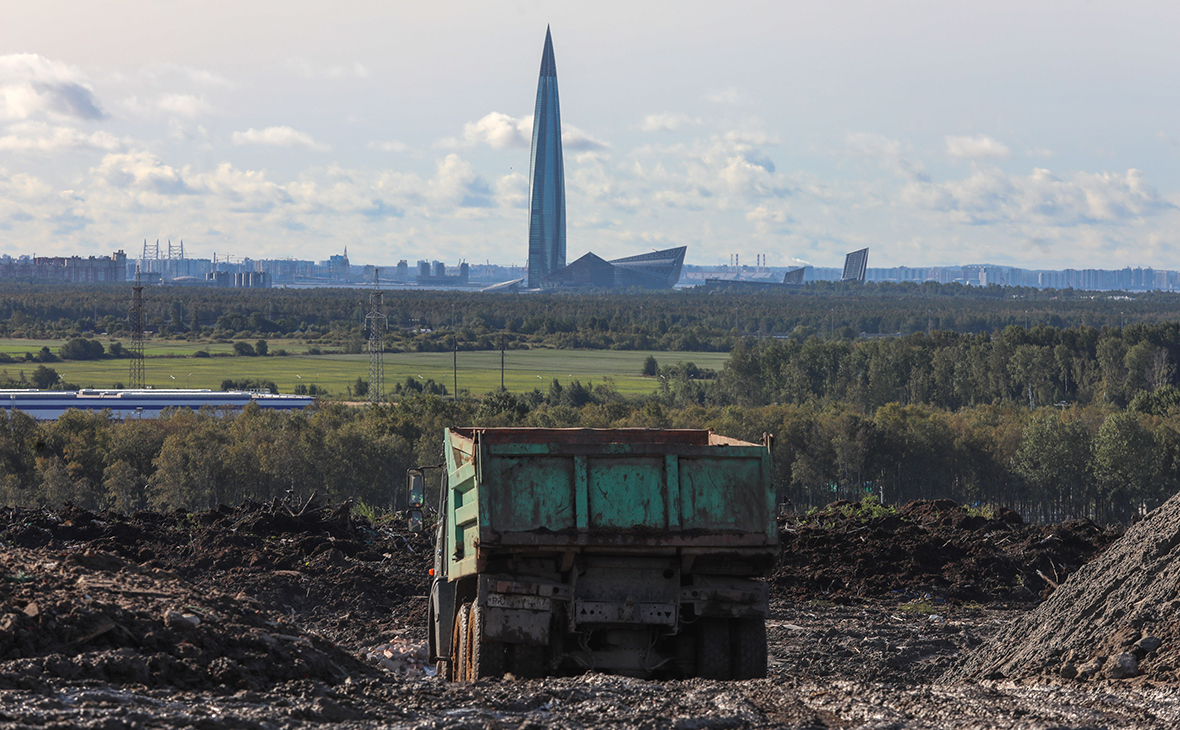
(89, 615)
(1116, 618)
(934, 550)
(331, 570)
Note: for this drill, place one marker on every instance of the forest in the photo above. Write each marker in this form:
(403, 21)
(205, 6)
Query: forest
(685, 320)
(1050, 463)
(1059, 405)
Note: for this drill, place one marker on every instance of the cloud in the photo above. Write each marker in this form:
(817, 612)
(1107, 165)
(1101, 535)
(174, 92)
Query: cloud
(42, 137)
(577, 140)
(976, 148)
(185, 105)
(141, 172)
(31, 86)
(885, 152)
(501, 131)
(456, 184)
(496, 130)
(990, 197)
(278, 137)
(665, 122)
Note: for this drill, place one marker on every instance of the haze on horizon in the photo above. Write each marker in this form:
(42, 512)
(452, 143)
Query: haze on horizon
(1041, 135)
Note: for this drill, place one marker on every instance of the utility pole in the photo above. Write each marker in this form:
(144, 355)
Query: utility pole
(135, 379)
(376, 320)
(501, 362)
(455, 363)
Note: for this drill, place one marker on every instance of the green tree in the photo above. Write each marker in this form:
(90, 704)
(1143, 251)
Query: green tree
(1127, 465)
(44, 377)
(1053, 460)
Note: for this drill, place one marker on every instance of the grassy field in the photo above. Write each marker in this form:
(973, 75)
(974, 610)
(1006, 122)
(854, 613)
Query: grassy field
(169, 364)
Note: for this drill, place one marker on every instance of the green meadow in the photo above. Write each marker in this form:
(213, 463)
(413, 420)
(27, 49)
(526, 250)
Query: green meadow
(170, 364)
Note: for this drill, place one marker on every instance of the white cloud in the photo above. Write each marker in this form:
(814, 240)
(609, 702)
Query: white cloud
(278, 137)
(32, 86)
(1041, 199)
(43, 137)
(501, 131)
(978, 147)
(666, 122)
(141, 172)
(456, 184)
(496, 130)
(185, 105)
(578, 140)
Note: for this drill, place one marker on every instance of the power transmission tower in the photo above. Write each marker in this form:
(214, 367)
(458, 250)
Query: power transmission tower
(135, 321)
(375, 321)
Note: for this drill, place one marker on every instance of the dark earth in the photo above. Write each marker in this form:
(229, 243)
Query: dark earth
(292, 615)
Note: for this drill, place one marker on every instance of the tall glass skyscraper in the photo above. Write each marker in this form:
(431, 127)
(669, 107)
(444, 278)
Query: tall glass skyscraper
(546, 177)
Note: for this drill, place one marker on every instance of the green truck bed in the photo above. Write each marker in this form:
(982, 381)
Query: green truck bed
(605, 490)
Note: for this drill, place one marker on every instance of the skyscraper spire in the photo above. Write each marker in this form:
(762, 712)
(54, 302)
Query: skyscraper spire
(546, 176)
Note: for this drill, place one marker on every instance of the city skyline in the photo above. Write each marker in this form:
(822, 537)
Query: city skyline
(1041, 136)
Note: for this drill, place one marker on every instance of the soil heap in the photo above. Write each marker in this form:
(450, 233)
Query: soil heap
(933, 550)
(1117, 617)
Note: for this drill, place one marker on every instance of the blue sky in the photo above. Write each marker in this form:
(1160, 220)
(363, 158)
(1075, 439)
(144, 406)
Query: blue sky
(1043, 135)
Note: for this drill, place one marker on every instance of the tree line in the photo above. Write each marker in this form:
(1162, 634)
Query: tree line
(685, 320)
(1095, 461)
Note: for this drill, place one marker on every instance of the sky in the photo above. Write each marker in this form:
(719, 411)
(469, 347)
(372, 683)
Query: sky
(1035, 134)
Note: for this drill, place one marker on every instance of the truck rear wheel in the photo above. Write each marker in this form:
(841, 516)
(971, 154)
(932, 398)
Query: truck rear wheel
(713, 647)
(748, 637)
(487, 657)
(462, 645)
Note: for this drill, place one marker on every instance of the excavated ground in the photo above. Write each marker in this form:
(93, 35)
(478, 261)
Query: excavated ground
(278, 616)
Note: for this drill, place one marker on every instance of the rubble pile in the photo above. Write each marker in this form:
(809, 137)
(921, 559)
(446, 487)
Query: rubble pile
(931, 550)
(1117, 618)
(403, 656)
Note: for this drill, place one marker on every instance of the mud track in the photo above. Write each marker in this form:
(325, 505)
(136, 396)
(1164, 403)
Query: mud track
(279, 616)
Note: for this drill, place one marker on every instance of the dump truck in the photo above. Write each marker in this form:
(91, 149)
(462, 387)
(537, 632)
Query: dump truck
(640, 552)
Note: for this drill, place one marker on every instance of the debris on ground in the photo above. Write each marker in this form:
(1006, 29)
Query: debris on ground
(402, 656)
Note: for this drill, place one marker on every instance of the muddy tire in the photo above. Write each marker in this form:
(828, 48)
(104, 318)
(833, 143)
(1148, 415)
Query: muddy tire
(748, 648)
(488, 658)
(462, 644)
(713, 649)
(527, 661)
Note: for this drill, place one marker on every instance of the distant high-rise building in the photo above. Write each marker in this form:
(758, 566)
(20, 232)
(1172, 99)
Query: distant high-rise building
(855, 264)
(546, 177)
